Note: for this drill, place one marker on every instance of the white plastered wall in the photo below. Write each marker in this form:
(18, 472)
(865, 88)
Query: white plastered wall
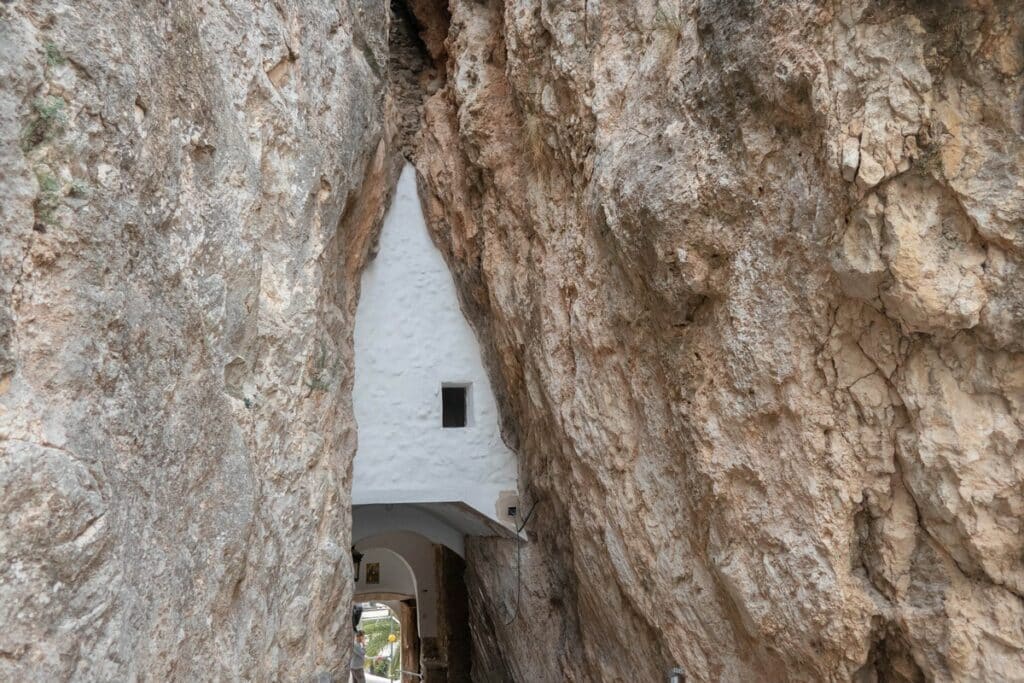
(410, 339)
(395, 575)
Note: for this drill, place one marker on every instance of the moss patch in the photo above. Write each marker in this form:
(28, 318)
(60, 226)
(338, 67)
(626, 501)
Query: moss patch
(46, 123)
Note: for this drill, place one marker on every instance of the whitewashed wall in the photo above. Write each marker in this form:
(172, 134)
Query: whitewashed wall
(396, 574)
(407, 567)
(410, 338)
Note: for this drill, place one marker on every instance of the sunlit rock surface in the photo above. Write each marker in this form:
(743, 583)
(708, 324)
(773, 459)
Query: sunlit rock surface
(749, 276)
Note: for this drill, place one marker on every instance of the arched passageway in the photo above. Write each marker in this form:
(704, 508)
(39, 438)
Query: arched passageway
(423, 583)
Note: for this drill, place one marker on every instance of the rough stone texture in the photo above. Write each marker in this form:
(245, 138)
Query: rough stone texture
(750, 276)
(189, 190)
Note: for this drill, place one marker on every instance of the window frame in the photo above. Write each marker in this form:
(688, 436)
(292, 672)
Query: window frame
(467, 404)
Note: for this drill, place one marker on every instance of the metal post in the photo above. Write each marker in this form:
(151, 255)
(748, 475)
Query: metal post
(391, 646)
(676, 675)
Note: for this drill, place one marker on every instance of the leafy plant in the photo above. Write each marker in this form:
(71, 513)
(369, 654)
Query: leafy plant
(377, 632)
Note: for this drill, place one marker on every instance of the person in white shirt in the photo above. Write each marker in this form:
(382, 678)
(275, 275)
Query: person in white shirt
(358, 658)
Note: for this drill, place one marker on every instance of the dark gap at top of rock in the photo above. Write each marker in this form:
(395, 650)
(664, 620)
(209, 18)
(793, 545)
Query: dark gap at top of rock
(413, 74)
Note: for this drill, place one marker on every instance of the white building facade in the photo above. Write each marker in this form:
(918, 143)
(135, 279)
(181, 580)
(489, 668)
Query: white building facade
(418, 364)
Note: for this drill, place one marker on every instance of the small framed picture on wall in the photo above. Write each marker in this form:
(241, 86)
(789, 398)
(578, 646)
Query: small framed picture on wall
(373, 573)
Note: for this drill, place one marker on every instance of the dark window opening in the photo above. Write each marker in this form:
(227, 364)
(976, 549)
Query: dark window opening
(453, 406)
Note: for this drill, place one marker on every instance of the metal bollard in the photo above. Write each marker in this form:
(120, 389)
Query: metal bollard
(676, 675)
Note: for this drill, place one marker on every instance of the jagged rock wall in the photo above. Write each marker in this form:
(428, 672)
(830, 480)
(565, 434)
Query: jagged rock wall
(748, 275)
(750, 279)
(189, 190)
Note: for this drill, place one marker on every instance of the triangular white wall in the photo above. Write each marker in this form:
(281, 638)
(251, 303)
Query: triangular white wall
(410, 338)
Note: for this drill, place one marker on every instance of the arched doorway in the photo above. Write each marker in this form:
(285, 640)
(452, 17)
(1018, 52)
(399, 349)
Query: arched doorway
(422, 581)
(387, 581)
(386, 658)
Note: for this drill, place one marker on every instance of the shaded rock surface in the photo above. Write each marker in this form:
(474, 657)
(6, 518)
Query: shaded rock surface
(190, 189)
(750, 279)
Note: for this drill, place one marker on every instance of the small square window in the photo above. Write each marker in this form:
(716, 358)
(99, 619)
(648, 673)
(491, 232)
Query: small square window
(453, 406)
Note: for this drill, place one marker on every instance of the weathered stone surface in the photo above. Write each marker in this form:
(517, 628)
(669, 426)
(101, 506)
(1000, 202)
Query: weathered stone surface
(749, 276)
(189, 189)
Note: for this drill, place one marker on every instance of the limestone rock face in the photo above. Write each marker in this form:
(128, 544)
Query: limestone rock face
(750, 276)
(188, 193)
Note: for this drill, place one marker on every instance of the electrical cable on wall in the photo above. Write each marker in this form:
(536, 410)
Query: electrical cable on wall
(519, 561)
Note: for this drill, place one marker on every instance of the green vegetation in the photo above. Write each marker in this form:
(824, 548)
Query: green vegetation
(53, 55)
(48, 199)
(377, 632)
(47, 122)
